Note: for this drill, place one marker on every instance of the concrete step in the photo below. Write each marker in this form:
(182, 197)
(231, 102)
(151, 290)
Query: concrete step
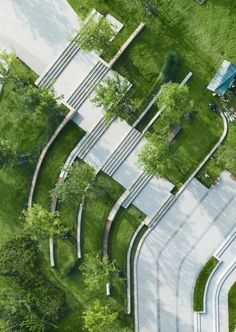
(114, 153)
(136, 189)
(59, 65)
(123, 153)
(72, 99)
(92, 138)
(152, 220)
(88, 85)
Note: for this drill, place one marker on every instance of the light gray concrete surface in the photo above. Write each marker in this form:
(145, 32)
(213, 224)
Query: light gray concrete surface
(174, 252)
(37, 30)
(74, 73)
(215, 315)
(107, 143)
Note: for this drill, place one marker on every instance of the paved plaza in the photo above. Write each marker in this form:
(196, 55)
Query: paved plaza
(36, 30)
(175, 251)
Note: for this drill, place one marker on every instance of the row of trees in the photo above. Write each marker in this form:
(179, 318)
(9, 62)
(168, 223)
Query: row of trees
(99, 315)
(155, 154)
(40, 224)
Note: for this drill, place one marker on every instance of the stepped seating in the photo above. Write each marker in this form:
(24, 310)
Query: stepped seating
(89, 83)
(122, 152)
(58, 66)
(136, 188)
(152, 220)
(88, 141)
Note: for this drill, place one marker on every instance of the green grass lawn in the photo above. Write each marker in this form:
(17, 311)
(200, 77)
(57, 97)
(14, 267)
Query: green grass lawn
(232, 308)
(201, 283)
(212, 168)
(94, 219)
(124, 225)
(15, 181)
(201, 48)
(48, 175)
(54, 160)
(14, 185)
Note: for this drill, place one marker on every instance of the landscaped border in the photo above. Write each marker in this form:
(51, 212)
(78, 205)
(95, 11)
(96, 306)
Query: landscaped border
(201, 283)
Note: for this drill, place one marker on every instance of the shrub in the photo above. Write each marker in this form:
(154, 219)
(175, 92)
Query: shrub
(169, 70)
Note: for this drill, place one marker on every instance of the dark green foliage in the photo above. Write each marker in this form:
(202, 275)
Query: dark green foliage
(25, 108)
(77, 185)
(95, 35)
(170, 68)
(7, 154)
(20, 261)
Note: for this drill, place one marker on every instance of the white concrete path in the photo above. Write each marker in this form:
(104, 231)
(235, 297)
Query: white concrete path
(215, 315)
(175, 251)
(37, 30)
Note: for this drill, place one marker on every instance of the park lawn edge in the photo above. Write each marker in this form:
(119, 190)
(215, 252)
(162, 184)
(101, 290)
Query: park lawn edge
(201, 282)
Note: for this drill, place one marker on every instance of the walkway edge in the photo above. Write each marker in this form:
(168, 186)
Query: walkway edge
(68, 117)
(225, 131)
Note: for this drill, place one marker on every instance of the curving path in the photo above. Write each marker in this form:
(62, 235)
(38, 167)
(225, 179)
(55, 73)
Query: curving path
(174, 250)
(215, 315)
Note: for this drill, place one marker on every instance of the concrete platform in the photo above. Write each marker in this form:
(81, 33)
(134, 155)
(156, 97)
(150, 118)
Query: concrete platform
(129, 170)
(153, 196)
(74, 73)
(37, 30)
(176, 249)
(107, 143)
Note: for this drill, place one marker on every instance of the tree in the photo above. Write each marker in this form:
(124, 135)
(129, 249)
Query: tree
(9, 69)
(174, 98)
(13, 305)
(41, 300)
(111, 96)
(99, 318)
(154, 156)
(40, 223)
(97, 272)
(33, 323)
(77, 186)
(95, 35)
(4, 325)
(8, 156)
(24, 107)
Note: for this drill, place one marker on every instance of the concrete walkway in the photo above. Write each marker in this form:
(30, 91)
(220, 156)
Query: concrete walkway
(215, 315)
(37, 30)
(176, 249)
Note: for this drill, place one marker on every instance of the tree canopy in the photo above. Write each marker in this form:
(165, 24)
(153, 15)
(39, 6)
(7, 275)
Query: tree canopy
(40, 223)
(98, 317)
(97, 272)
(8, 156)
(77, 185)
(111, 96)
(24, 108)
(154, 156)
(39, 302)
(175, 100)
(95, 35)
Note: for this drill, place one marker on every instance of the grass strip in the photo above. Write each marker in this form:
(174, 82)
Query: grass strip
(200, 285)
